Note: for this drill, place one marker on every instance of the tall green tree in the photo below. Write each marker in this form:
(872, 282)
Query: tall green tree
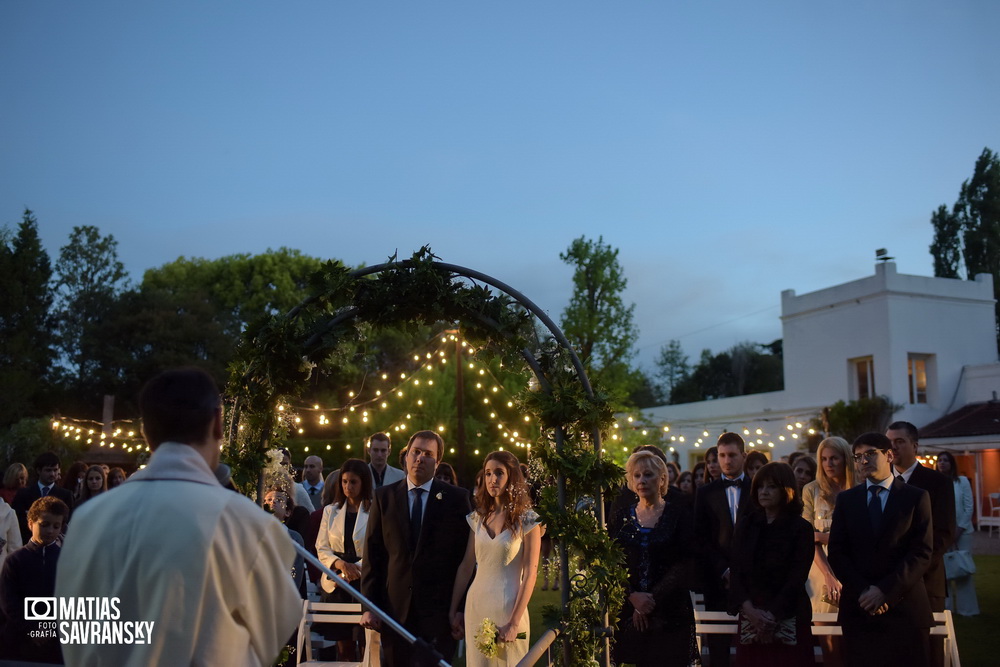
(89, 279)
(26, 326)
(969, 235)
(672, 367)
(240, 288)
(598, 324)
(146, 331)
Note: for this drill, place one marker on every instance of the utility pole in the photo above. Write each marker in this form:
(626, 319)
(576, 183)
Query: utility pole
(463, 455)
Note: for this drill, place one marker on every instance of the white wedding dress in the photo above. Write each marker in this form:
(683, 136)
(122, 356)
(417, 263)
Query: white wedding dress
(494, 590)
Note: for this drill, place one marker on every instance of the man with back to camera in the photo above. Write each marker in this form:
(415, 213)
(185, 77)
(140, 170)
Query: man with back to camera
(717, 507)
(880, 546)
(205, 565)
(416, 539)
(903, 436)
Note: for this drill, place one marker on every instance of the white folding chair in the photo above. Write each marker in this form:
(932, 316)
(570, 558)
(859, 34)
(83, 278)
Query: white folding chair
(323, 612)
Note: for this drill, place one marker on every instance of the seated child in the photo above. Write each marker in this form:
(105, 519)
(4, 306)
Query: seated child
(31, 572)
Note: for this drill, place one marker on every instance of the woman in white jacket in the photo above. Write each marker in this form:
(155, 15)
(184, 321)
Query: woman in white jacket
(340, 543)
(962, 591)
(10, 534)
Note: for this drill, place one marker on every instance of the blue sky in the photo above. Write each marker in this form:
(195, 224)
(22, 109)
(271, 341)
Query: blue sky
(730, 150)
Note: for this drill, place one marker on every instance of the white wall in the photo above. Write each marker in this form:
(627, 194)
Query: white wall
(888, 316)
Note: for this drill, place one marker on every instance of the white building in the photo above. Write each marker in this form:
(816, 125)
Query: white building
(928, 344)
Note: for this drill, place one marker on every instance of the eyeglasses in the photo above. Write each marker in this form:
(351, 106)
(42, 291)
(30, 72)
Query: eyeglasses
(868, 456)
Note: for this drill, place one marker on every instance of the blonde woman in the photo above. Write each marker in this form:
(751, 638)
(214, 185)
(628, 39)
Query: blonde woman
(656, 624)
(835, 473)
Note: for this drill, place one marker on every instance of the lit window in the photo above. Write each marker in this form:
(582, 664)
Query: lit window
(916, 370)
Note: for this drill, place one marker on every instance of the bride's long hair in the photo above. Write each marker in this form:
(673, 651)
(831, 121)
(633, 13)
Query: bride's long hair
(514, 499)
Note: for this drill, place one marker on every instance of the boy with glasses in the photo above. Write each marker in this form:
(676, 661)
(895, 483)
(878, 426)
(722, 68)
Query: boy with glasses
(880, 547)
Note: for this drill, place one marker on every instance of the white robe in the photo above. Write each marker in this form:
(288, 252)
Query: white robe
(10, 533)
(206, 565)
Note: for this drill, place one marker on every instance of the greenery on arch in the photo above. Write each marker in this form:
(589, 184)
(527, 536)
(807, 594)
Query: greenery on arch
(279, 353)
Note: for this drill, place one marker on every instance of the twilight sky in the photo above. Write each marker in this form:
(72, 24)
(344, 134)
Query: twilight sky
(729, 149)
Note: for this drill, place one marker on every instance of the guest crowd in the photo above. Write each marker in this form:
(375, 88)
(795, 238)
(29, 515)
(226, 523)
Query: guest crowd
(861, 529)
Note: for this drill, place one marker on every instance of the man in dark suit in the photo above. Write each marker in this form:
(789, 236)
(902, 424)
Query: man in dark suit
(880, 546)
(47, 474)
(717, 507)
(903, 436)
(417, 536)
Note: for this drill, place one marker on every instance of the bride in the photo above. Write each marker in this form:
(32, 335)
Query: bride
(503, 547)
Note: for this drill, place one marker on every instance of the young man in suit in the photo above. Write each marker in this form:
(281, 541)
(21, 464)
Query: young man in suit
(880, 546)
(379, 448)
(903, 436)
(47, 472)
(416, 539)
(717, 507)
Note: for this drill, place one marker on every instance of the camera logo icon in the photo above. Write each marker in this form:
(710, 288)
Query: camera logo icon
(40, 609)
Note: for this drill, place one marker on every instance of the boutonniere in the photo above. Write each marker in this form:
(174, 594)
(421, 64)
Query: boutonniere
(439, 496)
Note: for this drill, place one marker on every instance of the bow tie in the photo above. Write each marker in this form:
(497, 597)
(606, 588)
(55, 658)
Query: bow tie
(730, 482)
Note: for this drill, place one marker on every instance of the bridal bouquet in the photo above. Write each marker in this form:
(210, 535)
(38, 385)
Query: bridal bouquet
(488, 638)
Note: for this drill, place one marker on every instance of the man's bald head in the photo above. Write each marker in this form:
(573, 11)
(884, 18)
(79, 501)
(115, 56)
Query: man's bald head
(312, 470)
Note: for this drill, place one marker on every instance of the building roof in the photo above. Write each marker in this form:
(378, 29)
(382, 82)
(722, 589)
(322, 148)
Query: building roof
(972, 420)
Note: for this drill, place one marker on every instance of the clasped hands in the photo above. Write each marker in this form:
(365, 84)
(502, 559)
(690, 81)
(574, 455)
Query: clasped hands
(873, 601)
(761, 620)
(644, 605)
(349, 571)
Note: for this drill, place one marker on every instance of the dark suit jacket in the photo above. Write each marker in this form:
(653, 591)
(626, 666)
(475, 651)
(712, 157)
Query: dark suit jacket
(419, 583)
(894, 560)
(942, 493)
(713, 525)
(31, 493)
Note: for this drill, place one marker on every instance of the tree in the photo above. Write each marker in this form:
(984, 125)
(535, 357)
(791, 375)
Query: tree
(745, 368)
(947, 246)
(146, 331)
(852, 418)
(240, 288)
(597, 322)
(970, 234)
(672, 366)
(89, 278)
(26, 326)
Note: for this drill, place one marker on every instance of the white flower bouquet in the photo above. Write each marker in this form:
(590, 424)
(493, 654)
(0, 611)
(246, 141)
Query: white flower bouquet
(488, 638)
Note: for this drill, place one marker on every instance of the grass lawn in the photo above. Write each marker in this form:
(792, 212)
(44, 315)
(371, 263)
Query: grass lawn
(977, 635)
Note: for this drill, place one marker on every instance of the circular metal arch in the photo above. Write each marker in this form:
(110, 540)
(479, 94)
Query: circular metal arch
(456, 271)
